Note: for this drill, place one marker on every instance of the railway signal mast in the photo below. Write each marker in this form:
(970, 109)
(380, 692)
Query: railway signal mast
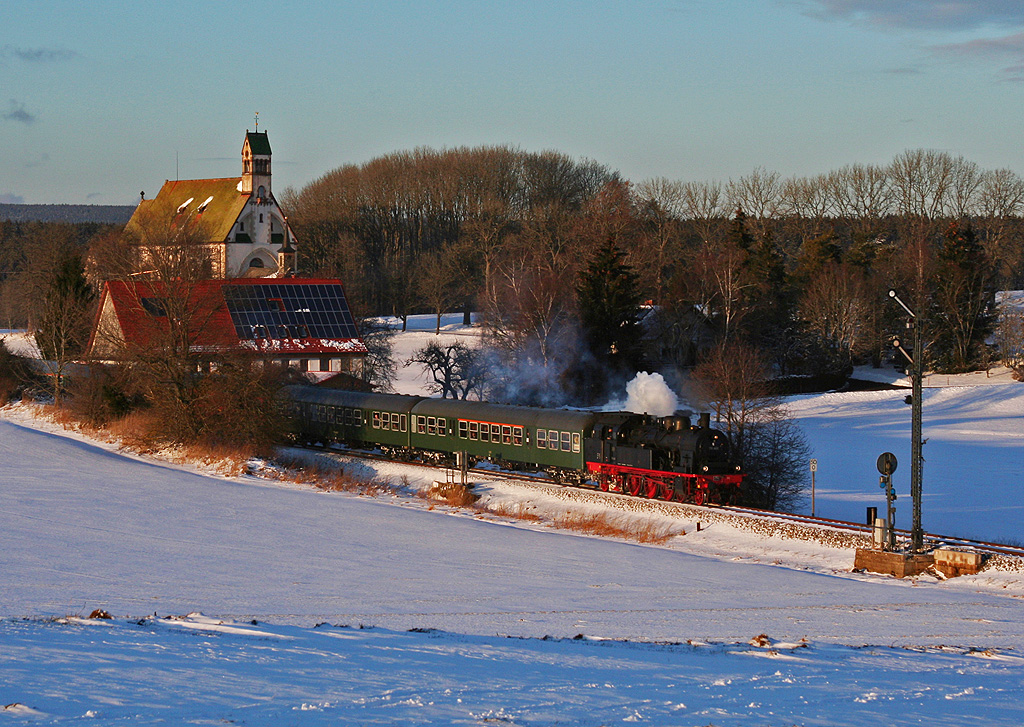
(916, 442)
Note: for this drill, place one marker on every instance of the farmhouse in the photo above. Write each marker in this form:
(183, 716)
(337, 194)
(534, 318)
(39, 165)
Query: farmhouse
(302, 323)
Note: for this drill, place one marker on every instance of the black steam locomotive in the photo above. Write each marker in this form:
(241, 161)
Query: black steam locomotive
(669, 458)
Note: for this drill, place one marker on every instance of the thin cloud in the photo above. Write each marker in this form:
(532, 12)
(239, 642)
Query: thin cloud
(954, 15)
(903, 71)
(16, 111)
(38, 55)
(1007, 49)
(38, 161)
(11, 198)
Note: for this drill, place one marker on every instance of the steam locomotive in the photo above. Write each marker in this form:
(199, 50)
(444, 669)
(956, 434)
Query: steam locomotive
(669, 458)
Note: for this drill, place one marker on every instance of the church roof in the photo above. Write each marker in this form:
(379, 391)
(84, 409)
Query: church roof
(274, 317)
(258, 142)
(213, 203)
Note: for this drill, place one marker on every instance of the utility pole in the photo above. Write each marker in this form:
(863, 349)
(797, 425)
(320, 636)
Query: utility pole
(916, 459)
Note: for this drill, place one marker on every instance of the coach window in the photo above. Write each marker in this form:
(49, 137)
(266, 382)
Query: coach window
(357, 417)
(405, 423)
(385, 421)
(575, 442)
(463, 429)
(395, 426)
(552, 439)
(506, 434)
(376, 420)
(485, 432)
(421, 424)
(565, 441)
(517, 436)
(431, 425)
(474, 430)
(542, 439)
(442, 426)
(330, 415)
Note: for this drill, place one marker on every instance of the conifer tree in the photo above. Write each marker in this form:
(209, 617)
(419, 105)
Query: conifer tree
(609, 304)
(964, 301)
(64, 326)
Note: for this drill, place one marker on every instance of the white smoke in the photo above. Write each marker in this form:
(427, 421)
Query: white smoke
(647, 394)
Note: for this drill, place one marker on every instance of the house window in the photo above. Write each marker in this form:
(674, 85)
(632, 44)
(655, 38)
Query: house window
(261, 217)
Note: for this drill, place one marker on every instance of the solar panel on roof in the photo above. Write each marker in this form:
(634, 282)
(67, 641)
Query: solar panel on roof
(289, 311)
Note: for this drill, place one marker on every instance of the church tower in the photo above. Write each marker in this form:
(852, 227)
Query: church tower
(256, 165)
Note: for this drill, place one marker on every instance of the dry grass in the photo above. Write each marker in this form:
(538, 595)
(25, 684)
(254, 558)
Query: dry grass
(518, 511)
(328, 476)
(453, 494)
(600, 525)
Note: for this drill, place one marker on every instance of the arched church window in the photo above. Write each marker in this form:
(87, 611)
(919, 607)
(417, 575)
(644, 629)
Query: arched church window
(256, 263)
(261, 192)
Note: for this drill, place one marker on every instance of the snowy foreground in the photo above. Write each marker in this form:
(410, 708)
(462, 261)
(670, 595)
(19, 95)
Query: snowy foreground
(251, 601)
(667, 630)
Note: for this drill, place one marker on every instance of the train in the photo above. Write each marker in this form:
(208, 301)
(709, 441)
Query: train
(668, 458)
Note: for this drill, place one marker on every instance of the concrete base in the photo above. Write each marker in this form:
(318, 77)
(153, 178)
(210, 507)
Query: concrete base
(951, 563)
(900, 565)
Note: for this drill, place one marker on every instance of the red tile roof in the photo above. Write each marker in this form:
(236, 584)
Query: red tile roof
(138, 305)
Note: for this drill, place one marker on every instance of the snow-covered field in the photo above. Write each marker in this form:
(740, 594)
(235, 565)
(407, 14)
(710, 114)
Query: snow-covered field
(335, 582)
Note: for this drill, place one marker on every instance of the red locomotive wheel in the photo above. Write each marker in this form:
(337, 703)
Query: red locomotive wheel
(699, 496)
(602, 482)
(667, 492)
(652, 489)
(635, 485)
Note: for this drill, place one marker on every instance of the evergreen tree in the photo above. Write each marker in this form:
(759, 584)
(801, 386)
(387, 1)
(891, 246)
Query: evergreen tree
(609, 304)
(63, 328)
(963, 302)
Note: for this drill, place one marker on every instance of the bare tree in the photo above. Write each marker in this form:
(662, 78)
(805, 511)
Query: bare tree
(1010, 341)
(732, 381)
(704, 203)
(759, 195)
(455, 368)
(921, 180)
(834, 311)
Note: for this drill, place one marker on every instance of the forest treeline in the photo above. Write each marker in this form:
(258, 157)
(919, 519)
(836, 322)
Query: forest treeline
(797, 268)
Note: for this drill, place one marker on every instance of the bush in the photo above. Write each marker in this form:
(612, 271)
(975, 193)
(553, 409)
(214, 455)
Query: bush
(14, 375)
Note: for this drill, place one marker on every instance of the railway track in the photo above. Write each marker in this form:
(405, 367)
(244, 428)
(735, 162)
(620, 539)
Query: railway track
(932, 539)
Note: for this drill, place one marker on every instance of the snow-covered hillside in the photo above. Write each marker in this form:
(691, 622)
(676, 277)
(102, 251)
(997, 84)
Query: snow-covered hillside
(974, 456)
(456, 605)
(86, 527)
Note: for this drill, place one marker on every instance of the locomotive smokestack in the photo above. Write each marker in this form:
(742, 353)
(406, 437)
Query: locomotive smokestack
(705, 420)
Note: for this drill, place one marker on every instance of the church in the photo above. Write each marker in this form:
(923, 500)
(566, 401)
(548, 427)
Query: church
(248, 298)
(245, 231)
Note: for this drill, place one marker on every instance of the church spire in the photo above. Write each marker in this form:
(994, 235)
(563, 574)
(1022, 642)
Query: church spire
(256, 164)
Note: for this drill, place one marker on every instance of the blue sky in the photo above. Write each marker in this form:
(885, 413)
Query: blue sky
(99, 99)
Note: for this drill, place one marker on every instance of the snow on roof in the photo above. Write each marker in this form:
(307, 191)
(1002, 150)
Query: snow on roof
(139, 310)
